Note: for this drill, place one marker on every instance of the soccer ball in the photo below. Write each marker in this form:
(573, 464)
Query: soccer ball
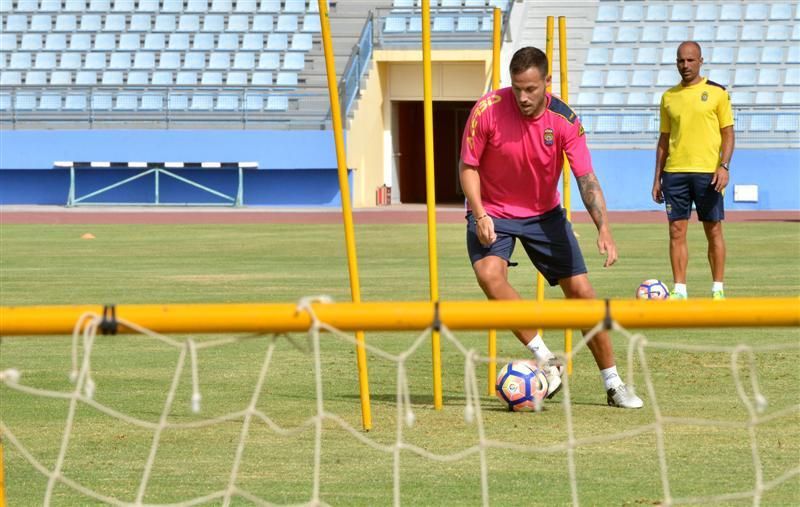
(521, 386)
(652, 289)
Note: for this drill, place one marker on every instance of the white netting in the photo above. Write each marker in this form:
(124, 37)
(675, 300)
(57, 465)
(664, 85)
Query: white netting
(746, 385)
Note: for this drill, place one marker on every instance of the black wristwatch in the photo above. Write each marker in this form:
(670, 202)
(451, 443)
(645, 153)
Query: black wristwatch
(724, 166)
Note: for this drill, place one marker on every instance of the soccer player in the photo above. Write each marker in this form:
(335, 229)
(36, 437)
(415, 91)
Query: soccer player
(693, 158)
(512, 153)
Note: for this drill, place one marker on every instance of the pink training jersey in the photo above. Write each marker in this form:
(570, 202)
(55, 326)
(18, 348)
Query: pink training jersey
(520, 159)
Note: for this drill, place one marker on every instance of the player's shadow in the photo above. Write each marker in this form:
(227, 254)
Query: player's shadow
(487, 402)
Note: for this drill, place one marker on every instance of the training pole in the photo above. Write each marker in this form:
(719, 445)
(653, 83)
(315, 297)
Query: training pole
(496, 42)
(565, 177)
(347, 211)
(430, 186)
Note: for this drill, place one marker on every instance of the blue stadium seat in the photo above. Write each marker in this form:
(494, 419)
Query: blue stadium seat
(768, 77)
(647, 55)
(202, 102)
(295, 6)
(668, 55)
(154, 41)
(632, 123)
(30, 42)
(102, 41)
(778, 32)
(148, 5)
(467, 24)
(253, 42)
(793, 55)
(144, 60)
(178, 102)
(203, 42)
(228, 41)
(73, 102)
(605, 123)
(588, 99)
(642, 77)
(790, 97)
(169, 60)
(302, 42)
(681, 12)
(617, 78)
(314, 6)
(20, 61)
(597, 56)
(727, 33)
(95, 60)
(487, 24)
(124, 6)
(763, 97)
(792, 76)
(730, 12)
(720, 76)
(197, 6)
(138, 77)
(102, 101)
(36, 78)
(164, 23)
(622, 56)
(760, 123)
(213, 23)
(16, 23)
(219, 60)
(45, 61)
(677, 33)
(744, 76)
(61, 77)
(262, 23)
(639, 99)
(443, 23)
(667, 77)
(607, 12)
(613, 99)
(748, 54)
(178, 41)
(287, 23)
(120, 61)
(796, 31)
(780, 12)
(787, 123)
(194, 60)
(41, 23)
(277, 103)
(269, 61)
(238, 23)
(55, 42)
(602, 34)
(628, 34)
(114, 23)
(752, 33)
(450, 3)
(109, 77)
(703, 33)
(286, 79)
(211, 78)
(90, 23)
(189, 23)
(152, 102)
(160, 78)
(99, 5)
(253, 102)
(8, 41)
(632, 12)
(652, 33)
(721, 54)
(236, 79)
(262, 79)
(126, 102)
(23, 6)
(70, 61)
(592, 78)
(706, 12)
(246, 6)
(244, 61)
(184, 78)
(772, 54)
(10, 78)
(756, 12)
(225, 6)
(272, 6)
(277, 41)
(129, 42)
(227, 102)
(25, 102)
(657, 12)
(66, 23)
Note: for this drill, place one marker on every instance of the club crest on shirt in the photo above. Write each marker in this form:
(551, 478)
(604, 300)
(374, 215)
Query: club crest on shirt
(548, 137)
(704, 96)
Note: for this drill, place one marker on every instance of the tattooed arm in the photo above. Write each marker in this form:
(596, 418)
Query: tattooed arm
(595, 203)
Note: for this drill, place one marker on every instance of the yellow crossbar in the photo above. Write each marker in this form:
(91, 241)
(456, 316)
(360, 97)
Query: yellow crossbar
(413, 315)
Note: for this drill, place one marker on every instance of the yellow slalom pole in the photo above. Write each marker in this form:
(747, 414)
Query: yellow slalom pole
(496, 42)
(410, 315)
(347, 211)
(549, 54)
(565, 177)
(430, 185)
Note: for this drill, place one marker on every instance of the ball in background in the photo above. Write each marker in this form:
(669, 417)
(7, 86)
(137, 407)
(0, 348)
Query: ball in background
(521, 386)
(652, 289)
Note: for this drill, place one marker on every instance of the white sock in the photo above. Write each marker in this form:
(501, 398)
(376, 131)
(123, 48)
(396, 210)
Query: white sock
(680, 288)
(539, 349)
(716, 286)
(611, 378)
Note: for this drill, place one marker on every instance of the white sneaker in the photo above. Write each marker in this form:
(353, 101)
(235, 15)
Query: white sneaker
(623, 397)
(553, 372)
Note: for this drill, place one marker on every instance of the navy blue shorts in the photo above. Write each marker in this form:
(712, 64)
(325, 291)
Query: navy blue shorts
(548, 240)
(682, 189)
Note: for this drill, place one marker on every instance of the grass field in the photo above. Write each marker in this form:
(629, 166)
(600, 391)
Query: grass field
(281, 263)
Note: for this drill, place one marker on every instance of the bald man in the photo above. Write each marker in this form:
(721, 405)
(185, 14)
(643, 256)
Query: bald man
(692, 165)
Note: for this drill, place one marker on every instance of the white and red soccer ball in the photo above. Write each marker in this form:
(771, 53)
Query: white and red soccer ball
(652, 289)
(521, 386)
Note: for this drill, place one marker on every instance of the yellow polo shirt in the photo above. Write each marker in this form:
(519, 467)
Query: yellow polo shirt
(693, 117)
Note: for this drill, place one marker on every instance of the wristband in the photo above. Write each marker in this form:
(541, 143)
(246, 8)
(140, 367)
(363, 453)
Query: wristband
(724, 166)
(481, 218)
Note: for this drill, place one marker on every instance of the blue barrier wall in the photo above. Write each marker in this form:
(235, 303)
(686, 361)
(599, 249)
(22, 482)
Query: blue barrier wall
(298, 168)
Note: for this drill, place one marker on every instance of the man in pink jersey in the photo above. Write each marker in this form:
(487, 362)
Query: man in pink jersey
(512, 153)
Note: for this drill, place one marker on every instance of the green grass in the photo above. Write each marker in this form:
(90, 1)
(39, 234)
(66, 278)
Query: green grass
(279, 263)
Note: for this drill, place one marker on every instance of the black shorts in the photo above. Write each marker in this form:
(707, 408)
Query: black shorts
(682, 189)
(548, 240)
